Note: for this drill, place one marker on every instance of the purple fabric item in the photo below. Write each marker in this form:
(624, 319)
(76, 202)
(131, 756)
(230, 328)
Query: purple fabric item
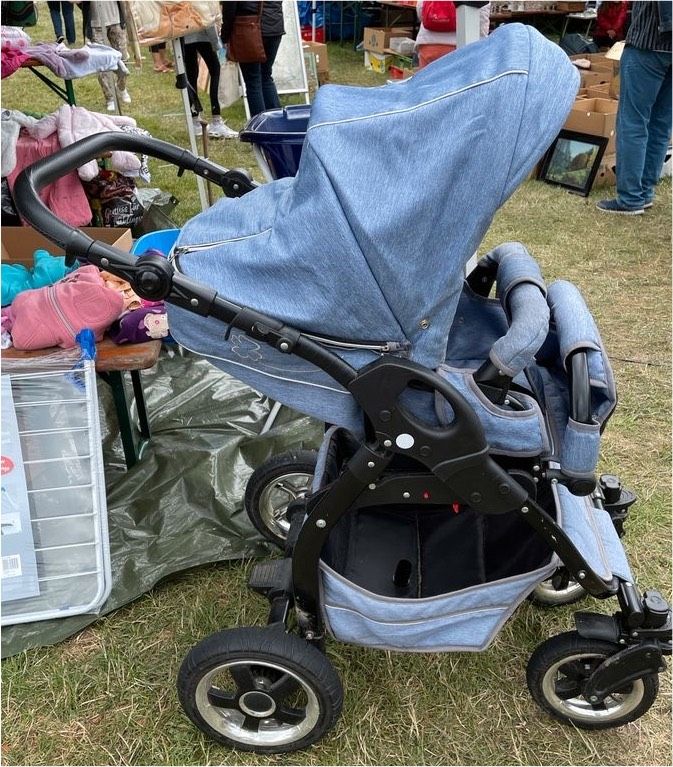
(140, 325)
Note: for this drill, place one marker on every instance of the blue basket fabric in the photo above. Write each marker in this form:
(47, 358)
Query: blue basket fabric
(467, 618)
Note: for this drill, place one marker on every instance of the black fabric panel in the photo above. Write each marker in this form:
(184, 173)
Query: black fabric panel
(381, 544)
(511, 546)
(451, 551)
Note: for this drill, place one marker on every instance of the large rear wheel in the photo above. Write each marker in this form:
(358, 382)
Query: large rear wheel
(260, 689)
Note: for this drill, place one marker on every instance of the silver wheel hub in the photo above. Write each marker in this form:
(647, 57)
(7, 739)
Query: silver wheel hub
(256, 703)
(615, 705)
(257, 717)
(278, 495)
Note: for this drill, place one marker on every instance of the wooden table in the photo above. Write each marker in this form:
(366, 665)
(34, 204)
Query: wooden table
(112, 361)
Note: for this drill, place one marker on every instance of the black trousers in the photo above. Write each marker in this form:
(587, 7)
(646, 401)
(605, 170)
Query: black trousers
(191, 54)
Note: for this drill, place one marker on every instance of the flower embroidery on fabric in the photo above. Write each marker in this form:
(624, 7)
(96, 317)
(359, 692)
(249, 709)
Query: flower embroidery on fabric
(245, 347)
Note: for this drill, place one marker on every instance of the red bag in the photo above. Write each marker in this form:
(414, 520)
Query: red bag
(439, 16)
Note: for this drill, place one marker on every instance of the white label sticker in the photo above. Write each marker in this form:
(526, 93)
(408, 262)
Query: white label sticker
(11, 566)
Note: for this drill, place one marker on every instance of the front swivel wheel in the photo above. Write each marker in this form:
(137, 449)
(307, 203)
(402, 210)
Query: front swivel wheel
(260, 689)
(557, 674)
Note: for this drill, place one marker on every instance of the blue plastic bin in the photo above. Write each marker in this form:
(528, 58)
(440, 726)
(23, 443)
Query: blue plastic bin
(163, 241)
(277, 136)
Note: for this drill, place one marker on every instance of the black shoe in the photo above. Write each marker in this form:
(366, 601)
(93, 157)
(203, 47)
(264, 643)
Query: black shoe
(60, 39)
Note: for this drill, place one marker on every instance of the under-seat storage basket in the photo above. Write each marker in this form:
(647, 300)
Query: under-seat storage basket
(423, 577)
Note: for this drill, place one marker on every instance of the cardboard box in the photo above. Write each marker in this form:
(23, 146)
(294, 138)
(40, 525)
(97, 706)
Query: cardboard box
(321, 57)
(571, 7)
(606, 175)
(598, 62)
(20, 242)
(597, 117)
(377, 62)
(600, 91)
(377, 39)
(589, 78)
(398, 60)
(613, 91)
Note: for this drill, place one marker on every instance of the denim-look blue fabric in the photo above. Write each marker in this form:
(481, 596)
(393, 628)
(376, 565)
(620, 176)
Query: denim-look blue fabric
(643, 123)
(343, 249)
(592, 532)
(464, 620)
(512, 432)
(576, 329)
(521, 290)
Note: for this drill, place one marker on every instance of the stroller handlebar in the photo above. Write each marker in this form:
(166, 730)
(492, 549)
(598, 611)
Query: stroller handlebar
(77, 244)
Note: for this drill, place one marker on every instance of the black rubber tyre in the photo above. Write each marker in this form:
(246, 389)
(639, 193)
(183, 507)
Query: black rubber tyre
(557, 670)
(281, 694)
(546, 595)
(272, 486)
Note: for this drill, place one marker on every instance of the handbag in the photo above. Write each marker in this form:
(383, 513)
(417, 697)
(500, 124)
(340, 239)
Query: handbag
(245, 43)
(439, 16)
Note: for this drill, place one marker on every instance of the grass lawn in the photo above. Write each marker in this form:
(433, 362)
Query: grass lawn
(107, 696)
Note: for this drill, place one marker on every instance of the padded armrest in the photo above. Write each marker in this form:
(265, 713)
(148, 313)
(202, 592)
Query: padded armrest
(522, 293)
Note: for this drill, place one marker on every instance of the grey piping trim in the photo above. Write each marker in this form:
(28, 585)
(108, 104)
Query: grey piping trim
(422, 104)
(578, 426)
(178, 250)
(420, 621)
(262, 372)
(427, 600)
(524, 280)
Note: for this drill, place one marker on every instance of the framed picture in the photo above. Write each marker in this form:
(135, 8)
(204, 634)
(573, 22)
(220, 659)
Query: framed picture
(572, 161)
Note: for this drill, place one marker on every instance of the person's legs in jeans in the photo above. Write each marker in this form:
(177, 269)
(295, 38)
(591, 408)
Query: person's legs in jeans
(642, 76)
(252, 77)
(659, 135)
(69, 21)
(55, 13)
(191, 57)
(269, 92)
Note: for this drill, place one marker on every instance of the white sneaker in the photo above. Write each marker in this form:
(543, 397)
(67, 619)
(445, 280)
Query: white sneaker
(219, 129)
(197, 126)
(125, 96)
(111, 106)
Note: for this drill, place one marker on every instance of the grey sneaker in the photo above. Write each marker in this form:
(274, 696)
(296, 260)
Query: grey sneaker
(197, 125)
(219, 129)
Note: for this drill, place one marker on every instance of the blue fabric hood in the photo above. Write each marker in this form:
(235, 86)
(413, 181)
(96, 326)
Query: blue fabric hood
(396, 187)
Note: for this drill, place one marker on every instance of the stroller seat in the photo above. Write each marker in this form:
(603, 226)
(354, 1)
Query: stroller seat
(341, 252)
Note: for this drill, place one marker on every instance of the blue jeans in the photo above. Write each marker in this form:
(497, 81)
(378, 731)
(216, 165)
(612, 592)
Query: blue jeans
(643, 123)
(55, 10)
(260, 88)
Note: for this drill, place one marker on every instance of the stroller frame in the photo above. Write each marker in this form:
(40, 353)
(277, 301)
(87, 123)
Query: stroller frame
(456, 459)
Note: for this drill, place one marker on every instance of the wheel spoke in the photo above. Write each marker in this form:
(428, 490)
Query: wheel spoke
(575, 670)
(217, 697)
(243, 678)
(290, 715)
(287, 489)
(567, 689)
(283, 688)
(251, 723)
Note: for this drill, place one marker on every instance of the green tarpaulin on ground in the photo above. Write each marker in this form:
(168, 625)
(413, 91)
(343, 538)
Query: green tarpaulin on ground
(182, 504)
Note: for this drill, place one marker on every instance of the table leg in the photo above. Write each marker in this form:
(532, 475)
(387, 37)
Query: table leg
(115, 380)
(139, 394)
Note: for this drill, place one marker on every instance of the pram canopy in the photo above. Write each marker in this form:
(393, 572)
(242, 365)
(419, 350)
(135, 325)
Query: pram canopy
(396, 187)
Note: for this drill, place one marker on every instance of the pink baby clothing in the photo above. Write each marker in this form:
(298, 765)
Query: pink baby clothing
(53, 316)
(65, 198)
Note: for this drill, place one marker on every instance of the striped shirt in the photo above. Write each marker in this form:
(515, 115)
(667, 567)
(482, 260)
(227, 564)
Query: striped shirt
(644, 30)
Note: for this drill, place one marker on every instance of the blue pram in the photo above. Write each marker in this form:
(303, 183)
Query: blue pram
(460, 470)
